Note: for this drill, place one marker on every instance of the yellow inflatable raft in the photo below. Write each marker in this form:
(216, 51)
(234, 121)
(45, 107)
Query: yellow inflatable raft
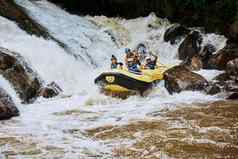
(121, 81)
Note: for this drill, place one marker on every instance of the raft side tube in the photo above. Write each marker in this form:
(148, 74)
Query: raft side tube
(115, 78)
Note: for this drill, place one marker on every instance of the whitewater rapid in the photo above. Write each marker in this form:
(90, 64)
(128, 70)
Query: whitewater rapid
(88, 38)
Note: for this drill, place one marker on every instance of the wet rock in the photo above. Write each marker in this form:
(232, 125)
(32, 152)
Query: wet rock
(194, 64)
(50, 91)
(222, 78)
(180, 78)
(232, 69)
(190, 46)
(231, 83)
(206, 54)
(16, 70)
(213, 89)
(231, 86)
(175, 32)
(219, 60)
(8, 108)
(226, 83)
(200, 60)
(233, 96)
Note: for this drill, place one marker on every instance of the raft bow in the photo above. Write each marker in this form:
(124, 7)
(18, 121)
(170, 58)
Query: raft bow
(121, 82)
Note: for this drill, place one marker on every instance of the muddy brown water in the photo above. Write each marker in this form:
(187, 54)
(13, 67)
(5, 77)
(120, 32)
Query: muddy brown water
(195, 131)
(198, 131)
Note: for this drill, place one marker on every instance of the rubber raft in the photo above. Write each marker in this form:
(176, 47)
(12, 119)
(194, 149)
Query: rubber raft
(121, 82)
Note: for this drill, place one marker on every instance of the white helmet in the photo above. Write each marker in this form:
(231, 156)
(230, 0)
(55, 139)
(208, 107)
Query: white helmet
(148, 58)
(130, 59)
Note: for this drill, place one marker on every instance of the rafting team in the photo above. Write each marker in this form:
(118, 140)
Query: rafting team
(136, 60)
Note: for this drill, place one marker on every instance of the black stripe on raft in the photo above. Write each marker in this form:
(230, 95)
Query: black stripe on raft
(123, 81)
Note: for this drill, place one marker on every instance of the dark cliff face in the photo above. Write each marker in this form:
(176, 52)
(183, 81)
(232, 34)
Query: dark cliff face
(122, 8)
(214, 15)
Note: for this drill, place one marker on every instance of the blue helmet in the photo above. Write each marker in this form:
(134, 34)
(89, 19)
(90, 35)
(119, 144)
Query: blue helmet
(127, 50)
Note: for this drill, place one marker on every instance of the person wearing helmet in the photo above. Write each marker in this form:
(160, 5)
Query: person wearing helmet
(127, 50)
(128, 55)
(150, 62)
(136, 57)
(114, 63)
(132, 61)
(133, 66)
(142, 51)
(141, 48)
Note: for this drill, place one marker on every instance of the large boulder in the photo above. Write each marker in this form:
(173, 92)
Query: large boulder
(232, 72)
(232, 69)
(206, 54)
(231, 87)
(213, 89)
(180, 78)
(7, 107)
(175, 33)
(222, 57)
(193, 64)
(233, 96)
(225, 82)
(221, 78)
(190, 46)
(228, 81)
(16, 70)
(50, 90)
(200, 60)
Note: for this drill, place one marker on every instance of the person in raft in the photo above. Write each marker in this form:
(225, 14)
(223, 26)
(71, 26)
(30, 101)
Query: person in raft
(115, 64)
(132, 62)
(128, 55)
(142, 51)
(150, 61)
(137, 57)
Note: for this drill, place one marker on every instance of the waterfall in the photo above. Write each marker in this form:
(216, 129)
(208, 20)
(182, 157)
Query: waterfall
(88, 38)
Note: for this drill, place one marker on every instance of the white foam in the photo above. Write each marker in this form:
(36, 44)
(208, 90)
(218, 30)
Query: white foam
(10, 90)
(209, 74)
(83, 37)
(46, 57)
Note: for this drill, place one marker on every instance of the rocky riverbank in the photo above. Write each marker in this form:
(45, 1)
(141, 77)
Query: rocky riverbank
(195, 57)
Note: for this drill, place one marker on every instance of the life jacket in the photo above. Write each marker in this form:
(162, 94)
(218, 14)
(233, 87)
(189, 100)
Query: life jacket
(134, 68)
(129, 61)
(137, 59)
(151, 65)
(114, 66)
